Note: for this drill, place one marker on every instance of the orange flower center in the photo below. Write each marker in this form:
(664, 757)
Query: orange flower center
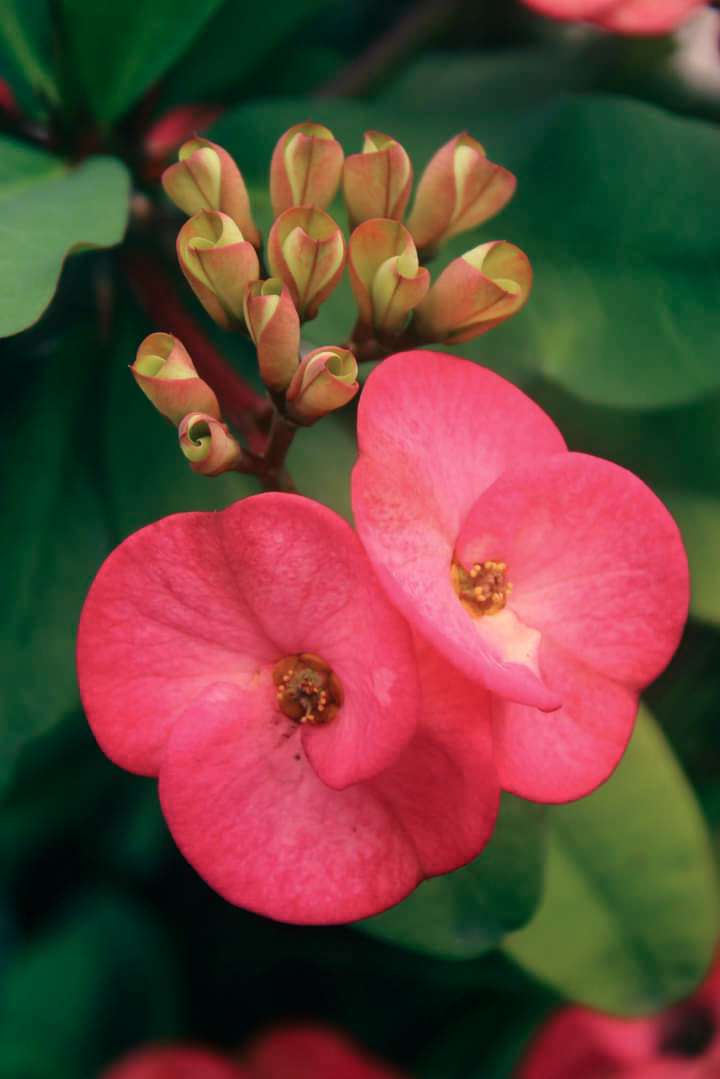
(483, 589)
(308, 690)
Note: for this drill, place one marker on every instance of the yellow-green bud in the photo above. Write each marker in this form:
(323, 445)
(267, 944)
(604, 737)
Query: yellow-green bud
(474, 293)
(459, 189)
(386, 278)
(207, 444)
(218, 263)
(165, 373)
(306, 250)
(325, 380)
(306, 167)
(207, 178)
(377, 182)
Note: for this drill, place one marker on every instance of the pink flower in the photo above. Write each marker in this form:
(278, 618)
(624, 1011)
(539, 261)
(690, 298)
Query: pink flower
(623, 16)
(680, 1043)
(251, 662)
(554, 579)
(311, 1051)
(293, 1051)
(175, 1062)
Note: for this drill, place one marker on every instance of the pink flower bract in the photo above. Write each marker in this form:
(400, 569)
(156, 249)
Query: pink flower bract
(622, 16)
(175, 1062)
(312, 1051)
(178, 649)
(680, 1043)
(463, 489)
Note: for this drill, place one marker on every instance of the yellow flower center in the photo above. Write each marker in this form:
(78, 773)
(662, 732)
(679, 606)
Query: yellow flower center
(308, 690)
(483, 589)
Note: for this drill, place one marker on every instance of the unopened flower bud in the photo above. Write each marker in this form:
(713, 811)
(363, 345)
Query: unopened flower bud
(207, 178)
(218, 263)
(274, 325)
(306, 167)
(474, 293)
(459, 189)
(306, 250)
(165, 373)
(208, 445)
(325, 380)
(377, 182)
(385, 276)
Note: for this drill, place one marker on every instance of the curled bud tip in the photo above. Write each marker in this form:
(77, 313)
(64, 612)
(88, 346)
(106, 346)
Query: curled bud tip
(459, 189)
(165, 373)
(207, 444)
(474, 293)
(218, 263)
(206, 177)
(325, 380)
(385, 275)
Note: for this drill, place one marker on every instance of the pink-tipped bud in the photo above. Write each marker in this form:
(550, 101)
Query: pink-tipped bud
(306, 167)
(306, 250)
(459, 189)
(325, 380)
(274, 325)
(377, 182)
(206, 178)
(474, 293)
(218, 263)
(207, 444)
(385, 275)
(166, 375)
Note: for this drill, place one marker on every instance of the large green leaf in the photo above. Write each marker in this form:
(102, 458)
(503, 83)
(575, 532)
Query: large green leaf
(464, 914)
(55, 538)
(699, 519)
(616, 213)
(215, 65)
(87, 988)
(25, 49)
(46, 212)
(119, 50)
(629, 918)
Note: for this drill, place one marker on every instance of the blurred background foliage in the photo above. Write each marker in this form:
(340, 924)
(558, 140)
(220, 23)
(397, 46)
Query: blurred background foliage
(107, 938)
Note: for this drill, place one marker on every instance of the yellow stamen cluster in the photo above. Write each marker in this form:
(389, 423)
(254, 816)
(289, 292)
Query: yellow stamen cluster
(483, 589)
(308, 690)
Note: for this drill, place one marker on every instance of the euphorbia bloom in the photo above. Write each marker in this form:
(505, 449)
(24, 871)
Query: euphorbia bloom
(311, 1051)
(250, 660)
(557, 580)
(680, 1043)
(622, 16)
(175, 1062)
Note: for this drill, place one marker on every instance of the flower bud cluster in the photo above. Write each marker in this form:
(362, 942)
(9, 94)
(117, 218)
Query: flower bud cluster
(268, 293)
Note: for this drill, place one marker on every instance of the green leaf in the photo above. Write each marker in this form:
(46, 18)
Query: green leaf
(46, 213)
(119, 50)
(628, 921)
(215, 65)
(698, 517)
(25, 46)
(53, 544)
(615, 212)
(90, 986)
(464, 914)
